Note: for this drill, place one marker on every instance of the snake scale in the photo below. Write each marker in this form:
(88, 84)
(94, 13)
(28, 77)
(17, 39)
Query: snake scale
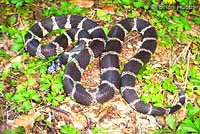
(92, 43)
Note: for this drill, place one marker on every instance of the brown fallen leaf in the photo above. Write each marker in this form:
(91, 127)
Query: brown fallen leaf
(26, 121)
(109, 9)
(83, 3)
(79, 121)
(3, 127)
(16, 59)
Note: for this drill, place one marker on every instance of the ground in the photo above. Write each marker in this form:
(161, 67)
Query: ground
(34, 99)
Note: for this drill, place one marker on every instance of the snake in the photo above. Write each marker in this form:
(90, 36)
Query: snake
(92, 42)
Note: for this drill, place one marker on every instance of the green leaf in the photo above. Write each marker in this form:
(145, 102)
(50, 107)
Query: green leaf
(2, 87)
(198, 57)
(102, 15)
(167, 85)
(56, 88)
(166, 41)
(43, 69)
(44, 87)
(8, 95)
(185, 22)
(176, 19)
(193, 72)
(187, 126)
(18, 98)
(49, 97)
(13, 83)
(196, 20)
(4, 54)
(29, 71)
(36, 98)
(39, 118)
(21, 87)
(69, 130)
(26, 106)
(34, 95)
(106, 30)
(16, 65)
(54, 102)
(59, 98)
(197, 123)
(171, 121)
(192, 110)
(45, 80)
(99, 131)
(126, 2)
(138, 4)
(146, 7)
(157, 98)
(31, 81)
(19, 4)
(29, 1)
(12, 20)
(132, 14)
(18, 130)
(195, 81)
(18, 43)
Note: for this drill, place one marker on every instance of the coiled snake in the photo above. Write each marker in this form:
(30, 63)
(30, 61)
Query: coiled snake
(92, 43)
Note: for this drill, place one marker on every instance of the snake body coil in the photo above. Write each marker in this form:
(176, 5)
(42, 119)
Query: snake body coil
(92, 43)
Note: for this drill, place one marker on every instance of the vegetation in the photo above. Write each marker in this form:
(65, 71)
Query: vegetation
(189, 125)
(25, 84)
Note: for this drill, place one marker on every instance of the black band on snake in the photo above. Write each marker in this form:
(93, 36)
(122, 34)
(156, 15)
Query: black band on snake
(92, 43)
(131, 68)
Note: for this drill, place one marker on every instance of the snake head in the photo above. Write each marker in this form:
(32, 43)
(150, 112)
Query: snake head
(56, 64)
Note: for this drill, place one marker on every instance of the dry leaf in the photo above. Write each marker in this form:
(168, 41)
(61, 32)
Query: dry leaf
(26, 121)
(4, 127)
(83, 3)
(109, 9)
(79, 121)
(16, 59)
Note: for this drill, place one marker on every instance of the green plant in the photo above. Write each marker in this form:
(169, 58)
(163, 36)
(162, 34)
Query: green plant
(19, 3)
(69, 130)
(171, 27)
(64, 8)
(186, 2)
(4, 54)
(18, 130)
(23, 97)
(99, 131)
(189, 125)
(123, 2)
(56, 94)
(15, 34)
(169, 86)
(194, 78)
(102, 15)
(29, 78)
(152, 93)
(132, 14)
(2, 87)
(197, 20)
(140, 4)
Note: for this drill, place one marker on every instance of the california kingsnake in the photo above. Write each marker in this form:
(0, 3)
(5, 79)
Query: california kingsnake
(92, 43)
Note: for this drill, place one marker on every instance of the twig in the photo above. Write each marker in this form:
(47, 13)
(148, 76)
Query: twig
(184, 52)
(188, 66)
(58, 109)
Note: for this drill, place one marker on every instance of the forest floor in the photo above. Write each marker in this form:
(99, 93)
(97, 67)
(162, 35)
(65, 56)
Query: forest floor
(33, 101)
